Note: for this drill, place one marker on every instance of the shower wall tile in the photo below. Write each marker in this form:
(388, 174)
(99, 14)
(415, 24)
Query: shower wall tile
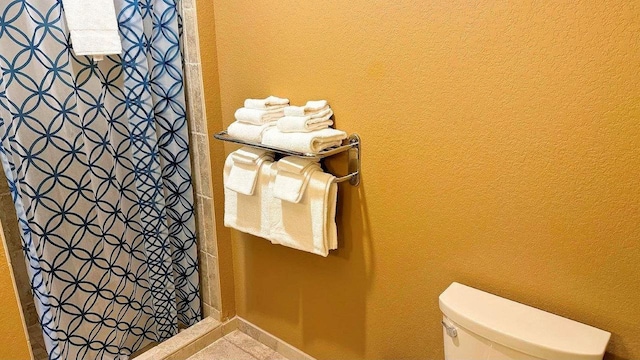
(204, 278)
(14, 246)
(208, 310)
(210, 226)
(201, 164)
(200, 226)
(214, 281)
(204, 163)
(191, 51)
(195, 98)
(188, 4)
(4, 186)
(11, 232)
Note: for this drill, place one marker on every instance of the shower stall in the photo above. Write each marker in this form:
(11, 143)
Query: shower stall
(106, 180)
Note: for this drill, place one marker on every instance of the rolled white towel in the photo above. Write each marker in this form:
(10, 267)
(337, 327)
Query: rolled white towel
(259, 117)
(290, 124)
(312, 106)
(311, 142)
(266, 103)
(248, 132)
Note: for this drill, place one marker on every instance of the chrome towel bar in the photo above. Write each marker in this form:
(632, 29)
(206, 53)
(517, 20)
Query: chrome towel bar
(351, 145)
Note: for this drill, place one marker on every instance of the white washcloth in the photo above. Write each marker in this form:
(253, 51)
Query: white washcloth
(311, 142)
(259, 117)
(291, 124)
(245, 168)
(249, 213)
(299, 111)
(93, 27)
(314, 106)
(308, 225)
(292, 177)
(266, 103)
(248, 132)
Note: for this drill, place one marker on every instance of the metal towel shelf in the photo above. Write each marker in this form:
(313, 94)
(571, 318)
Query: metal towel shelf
(352, 145)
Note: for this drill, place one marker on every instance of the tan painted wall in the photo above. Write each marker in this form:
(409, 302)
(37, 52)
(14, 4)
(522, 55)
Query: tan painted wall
(501, 149)
(13, 337)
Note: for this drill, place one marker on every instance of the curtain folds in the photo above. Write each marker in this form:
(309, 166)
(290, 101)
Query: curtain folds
(97, 158)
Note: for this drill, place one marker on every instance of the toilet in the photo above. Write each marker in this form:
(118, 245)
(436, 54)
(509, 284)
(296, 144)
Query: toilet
(479, 325)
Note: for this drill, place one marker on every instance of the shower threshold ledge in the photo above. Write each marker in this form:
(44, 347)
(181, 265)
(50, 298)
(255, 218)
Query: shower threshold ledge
(211, 339)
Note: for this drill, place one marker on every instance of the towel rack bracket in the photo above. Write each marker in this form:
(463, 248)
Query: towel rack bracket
(354, 160)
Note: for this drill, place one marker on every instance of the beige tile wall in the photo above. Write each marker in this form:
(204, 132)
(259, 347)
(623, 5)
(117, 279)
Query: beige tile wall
(201, 163)
(11, 231)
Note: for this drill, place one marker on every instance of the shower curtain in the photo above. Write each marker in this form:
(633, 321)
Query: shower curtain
(97, 158)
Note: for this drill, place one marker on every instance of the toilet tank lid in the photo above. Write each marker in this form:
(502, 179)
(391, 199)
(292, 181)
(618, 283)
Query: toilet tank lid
(521, 327)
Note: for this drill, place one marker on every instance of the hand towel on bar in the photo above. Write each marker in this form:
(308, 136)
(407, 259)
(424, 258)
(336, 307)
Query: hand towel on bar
(308, 225)
(291, 124)
(249, 213)
(248, 132)
(93, 27)
(244, 170)
(292, 177)
(311, 107)
(259, 117)
(266, 103)
(311, 142)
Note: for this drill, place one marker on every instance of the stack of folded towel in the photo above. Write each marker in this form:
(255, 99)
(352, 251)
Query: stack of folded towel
(315, 115)
(256, 117)
(305, 129)
(291, 202)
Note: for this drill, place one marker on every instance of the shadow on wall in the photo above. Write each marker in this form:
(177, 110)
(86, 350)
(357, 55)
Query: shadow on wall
(329, 312)
(617, 339)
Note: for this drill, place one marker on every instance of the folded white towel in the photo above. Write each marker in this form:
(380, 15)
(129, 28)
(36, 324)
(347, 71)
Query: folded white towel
(259, 117)
(244, 170)
(291, 124)
(266, 103)
(93, 27)
(308, 225)
(249, 213)
(314, 106)
(292, 177)
(306, 111)
(300, 111)
(310, 142)
(248, 132)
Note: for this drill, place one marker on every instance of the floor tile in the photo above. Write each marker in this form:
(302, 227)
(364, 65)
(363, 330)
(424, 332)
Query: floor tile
(222, 350)
(276, 356)
(249, 344)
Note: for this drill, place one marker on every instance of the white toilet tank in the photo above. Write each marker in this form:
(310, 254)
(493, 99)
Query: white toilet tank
(479, 325)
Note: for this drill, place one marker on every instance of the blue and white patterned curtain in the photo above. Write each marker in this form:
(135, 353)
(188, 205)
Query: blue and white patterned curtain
(97, 157)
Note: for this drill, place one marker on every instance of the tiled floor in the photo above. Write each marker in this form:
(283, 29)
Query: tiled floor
(237, 346)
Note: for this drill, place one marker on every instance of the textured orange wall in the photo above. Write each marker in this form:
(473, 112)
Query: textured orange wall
(13, 340)
(501, 149)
